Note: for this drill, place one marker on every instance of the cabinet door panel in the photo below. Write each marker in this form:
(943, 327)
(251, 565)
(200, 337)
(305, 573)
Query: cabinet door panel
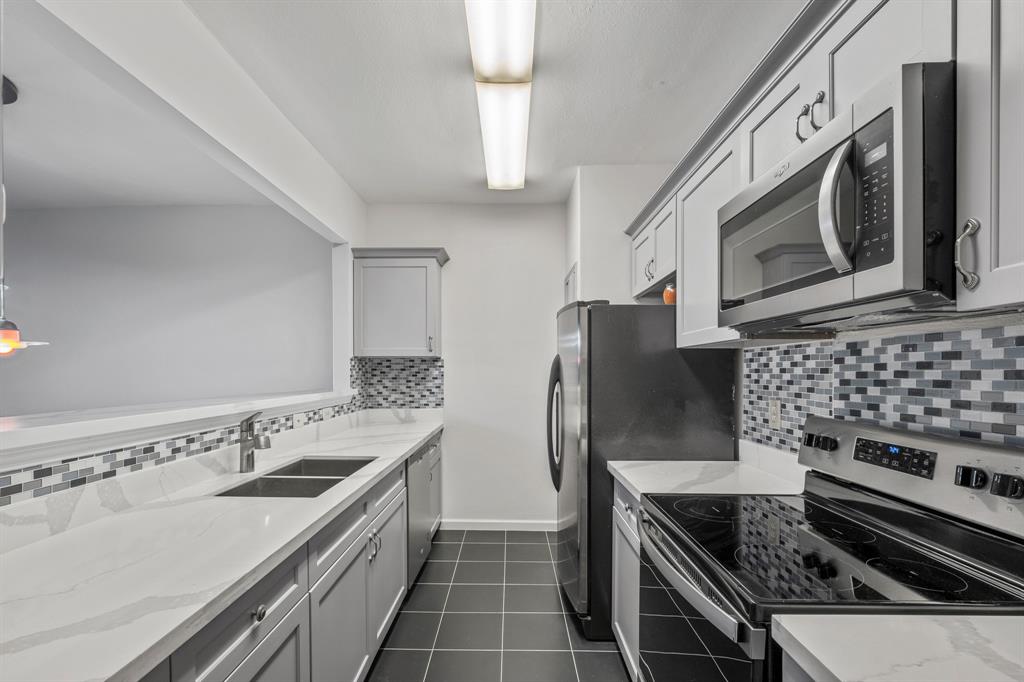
(435, 491)
(713, 185)
(990, 150)
(665, 242)
(338, 607)
(284, 655)
(873, 39)
(387, 571)
(397, 306)
(626, 592)
(643, 257)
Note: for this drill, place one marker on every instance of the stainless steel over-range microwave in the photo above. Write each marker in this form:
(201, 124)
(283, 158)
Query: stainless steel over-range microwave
(857, 222)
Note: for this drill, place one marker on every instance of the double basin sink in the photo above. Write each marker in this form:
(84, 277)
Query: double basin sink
(308, 477)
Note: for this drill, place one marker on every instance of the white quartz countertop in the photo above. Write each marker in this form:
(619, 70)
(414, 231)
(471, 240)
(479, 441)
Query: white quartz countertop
(113, 597)
(919, 648)
(699, 477)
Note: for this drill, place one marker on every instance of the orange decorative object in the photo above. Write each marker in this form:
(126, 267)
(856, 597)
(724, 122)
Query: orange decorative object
(10, 341)
(669, 295)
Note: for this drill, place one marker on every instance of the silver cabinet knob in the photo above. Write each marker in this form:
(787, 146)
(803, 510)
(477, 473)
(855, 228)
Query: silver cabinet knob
(629, 509)
(259, 613)
(970, 279)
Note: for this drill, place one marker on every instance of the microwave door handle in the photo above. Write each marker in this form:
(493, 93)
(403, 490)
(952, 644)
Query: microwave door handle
(828, 220)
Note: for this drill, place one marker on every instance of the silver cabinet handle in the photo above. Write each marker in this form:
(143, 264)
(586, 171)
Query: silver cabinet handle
(430, 344)
(259, 613)
(629, 509)
(828, 221)
(970, 279)
(373, 544)
(804, 110)
(818, 99)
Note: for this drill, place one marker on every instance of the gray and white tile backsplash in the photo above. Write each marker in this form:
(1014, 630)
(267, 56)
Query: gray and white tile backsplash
(962, 383)
(378, 383)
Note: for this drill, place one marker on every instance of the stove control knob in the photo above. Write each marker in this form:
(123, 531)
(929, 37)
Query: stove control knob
(1005, 485)
(811, 560)
(971, 477)
(827, 571)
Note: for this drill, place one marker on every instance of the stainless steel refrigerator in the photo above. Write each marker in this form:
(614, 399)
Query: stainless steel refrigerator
(620, 390)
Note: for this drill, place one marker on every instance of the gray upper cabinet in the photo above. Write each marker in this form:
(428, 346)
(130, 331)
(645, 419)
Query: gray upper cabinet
(397, 301)
(338, 611)
(697, 204)
(387, 570)
(283, 656)
(990, 153)
(654, 251)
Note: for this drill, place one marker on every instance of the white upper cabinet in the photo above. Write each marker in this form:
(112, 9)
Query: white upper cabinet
(397, 301)
(654, 250)
(697, 204)
(990, 153)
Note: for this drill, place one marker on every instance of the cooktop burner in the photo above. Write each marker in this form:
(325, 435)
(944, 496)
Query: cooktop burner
(846, 533)
(803, 549)
(716, 509)
(918, 575)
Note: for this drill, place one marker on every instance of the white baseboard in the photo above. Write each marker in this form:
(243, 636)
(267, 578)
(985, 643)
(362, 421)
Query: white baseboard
(495, 524)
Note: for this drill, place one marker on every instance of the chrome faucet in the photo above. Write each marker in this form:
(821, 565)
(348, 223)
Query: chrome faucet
(249, 442)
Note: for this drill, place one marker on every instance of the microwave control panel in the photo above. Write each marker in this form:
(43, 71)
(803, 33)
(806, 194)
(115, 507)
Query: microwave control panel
(874, 158)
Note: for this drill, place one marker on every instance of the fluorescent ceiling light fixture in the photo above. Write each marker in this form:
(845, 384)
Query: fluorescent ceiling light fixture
(504, 123)
(501, 39)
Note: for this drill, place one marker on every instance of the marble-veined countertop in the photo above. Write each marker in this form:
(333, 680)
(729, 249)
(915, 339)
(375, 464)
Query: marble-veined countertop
(700, 478)
(112, 597)
(904, 648)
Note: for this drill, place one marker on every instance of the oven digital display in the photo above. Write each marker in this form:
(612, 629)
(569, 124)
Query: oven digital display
(876, 154)
(896, 457)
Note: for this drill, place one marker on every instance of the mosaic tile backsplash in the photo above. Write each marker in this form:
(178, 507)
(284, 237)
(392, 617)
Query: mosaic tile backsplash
(378, 382)
(962, 383)
(399, 382)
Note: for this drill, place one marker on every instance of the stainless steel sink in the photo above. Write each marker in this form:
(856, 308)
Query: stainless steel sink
(314, 466)
(282, 487)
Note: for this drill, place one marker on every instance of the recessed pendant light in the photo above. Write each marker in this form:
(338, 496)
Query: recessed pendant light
(504, 124)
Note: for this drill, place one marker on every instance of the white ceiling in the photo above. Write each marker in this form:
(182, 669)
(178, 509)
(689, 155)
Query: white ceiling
(72, 141)
(384, 88)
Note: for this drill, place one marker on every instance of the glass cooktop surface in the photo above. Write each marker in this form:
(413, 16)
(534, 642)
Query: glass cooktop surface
(796, 549)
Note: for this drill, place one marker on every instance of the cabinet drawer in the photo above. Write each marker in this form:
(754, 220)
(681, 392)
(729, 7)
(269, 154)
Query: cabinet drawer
(220, 647)
(385, 491)
(628, 506)
(338, 536)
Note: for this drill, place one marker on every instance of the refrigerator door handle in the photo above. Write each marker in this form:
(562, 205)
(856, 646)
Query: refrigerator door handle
(556, 434)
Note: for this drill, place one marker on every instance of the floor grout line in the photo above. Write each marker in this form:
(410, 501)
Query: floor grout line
(565, 617)
(440, 620)
(504, 573)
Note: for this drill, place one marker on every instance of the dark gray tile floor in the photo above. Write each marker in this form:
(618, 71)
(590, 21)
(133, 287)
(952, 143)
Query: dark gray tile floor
(486, 608)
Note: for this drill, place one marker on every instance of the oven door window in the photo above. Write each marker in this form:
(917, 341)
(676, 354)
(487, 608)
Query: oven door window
(775, 245)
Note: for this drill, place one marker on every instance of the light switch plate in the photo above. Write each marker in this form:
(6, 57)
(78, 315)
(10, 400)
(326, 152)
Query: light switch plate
(775, 414)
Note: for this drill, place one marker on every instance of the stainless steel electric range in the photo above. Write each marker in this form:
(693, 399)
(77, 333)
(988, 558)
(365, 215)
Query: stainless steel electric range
(890, 521)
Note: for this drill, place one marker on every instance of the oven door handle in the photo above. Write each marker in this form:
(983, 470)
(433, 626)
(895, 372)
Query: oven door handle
(828, 219)
(726, 623)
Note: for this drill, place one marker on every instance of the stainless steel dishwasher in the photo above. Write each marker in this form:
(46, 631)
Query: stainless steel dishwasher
(419, 482)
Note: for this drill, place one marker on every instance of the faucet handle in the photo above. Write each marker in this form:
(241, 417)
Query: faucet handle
(248, 425)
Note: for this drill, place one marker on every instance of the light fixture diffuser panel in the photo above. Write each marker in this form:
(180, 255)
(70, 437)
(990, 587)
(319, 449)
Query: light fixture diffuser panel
(504, 125)
(501, 39)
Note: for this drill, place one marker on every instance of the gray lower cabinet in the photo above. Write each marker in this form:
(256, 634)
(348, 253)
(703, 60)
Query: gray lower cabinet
(626, 592)
(387, 570)
(338, 608)
(417, 476)
(434, 482)
(283, 655)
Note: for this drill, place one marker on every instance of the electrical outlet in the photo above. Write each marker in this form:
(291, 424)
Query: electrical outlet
(775, 414)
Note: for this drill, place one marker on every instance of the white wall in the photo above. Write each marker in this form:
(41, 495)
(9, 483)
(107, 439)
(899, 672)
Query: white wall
(500, 293)
(161, 304)
(607, 199)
